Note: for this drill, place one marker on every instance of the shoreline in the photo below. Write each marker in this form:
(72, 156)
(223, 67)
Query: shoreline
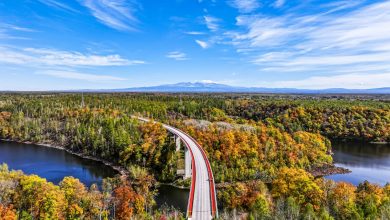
(121, 171)
(380, 142)
(327, 170)
(173, 185)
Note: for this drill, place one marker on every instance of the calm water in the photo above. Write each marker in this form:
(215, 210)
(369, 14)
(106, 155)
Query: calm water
(54, 164)
(366, 161)
(172, 196)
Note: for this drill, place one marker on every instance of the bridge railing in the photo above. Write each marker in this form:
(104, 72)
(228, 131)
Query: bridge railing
(213, 197)
(193, 181)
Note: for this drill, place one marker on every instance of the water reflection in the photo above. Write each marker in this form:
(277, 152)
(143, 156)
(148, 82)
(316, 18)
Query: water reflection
(172, 196)
(52, 164)
(366, 161)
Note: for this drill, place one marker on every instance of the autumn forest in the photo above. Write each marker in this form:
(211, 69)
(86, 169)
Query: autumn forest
(269, 153)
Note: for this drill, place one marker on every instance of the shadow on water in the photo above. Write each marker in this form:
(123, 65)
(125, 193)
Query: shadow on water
(52, 164)
(55, 164)
(367, 161)
(172, 196)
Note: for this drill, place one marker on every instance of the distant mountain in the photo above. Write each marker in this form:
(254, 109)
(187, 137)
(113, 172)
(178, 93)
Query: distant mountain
(187, 87)
(198, 87)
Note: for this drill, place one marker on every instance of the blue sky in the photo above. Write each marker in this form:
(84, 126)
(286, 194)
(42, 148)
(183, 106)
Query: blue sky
(101, 44)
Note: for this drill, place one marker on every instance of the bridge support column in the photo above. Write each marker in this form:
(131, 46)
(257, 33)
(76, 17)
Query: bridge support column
(187, 163)
(187, 158)
(178, 143)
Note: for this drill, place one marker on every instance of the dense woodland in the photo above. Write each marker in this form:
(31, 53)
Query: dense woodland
(32, 197)
(262, 147)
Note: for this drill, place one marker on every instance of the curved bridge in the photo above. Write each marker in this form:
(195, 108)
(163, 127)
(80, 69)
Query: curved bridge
(202, 202)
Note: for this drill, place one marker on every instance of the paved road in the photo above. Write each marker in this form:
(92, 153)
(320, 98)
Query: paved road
(202, 203)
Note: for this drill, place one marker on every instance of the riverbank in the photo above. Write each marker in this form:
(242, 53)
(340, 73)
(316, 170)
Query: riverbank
(380, 142)
(124, 173)
(173, 185)
(121, 170)
(328, 169)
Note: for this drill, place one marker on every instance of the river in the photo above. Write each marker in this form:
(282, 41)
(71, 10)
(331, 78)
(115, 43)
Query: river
(54, 164)
(367, 161)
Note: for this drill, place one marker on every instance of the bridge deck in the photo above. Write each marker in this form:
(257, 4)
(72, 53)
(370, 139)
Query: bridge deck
(202, 203)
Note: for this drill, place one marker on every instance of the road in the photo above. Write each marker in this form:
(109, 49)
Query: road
(202, 202)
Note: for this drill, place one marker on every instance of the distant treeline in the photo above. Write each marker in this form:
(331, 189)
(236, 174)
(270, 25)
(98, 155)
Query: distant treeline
(249, 139)
(351, 117)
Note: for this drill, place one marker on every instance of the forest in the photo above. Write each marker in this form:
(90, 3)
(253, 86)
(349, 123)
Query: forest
(264, 148)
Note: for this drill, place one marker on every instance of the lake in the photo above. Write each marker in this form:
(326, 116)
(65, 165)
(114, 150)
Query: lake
(173, 197)
(367, 161)
(54, 164)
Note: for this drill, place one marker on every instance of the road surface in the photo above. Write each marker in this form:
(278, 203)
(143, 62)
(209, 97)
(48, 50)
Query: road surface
(202, 202)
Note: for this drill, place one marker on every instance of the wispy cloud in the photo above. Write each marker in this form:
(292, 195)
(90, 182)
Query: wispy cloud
(117, 14)
(279, 3)
(16, 28)
(11, 31)
(326, 42)
(177, 55)
(211, 22)
(49, 57)
(80, 76)
(58, 5)
(202, 44)
(341, 5)
(349, 81)
(245, 6)
(194, 33)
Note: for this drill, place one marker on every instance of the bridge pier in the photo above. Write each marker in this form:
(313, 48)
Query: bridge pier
(200, 204)
(187, 164)
(178, 143)
(187, 158)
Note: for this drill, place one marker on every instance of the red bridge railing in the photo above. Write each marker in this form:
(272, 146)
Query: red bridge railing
(213, 198)
(193, 181)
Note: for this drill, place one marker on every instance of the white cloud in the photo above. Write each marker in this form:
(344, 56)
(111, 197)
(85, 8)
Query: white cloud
(117, 14)
(207, 81)
(265, 31)
(211, 22)
(194, 33)
(48, 57)
(279, 3)
(14, 56)
(58, 5)
(177, 55)
(16, 28)
(349, 81)
(202, 44)
(323, 43)
(80, 76)
(341, 5)
(10, 31)
(288, 59)
(245, 6)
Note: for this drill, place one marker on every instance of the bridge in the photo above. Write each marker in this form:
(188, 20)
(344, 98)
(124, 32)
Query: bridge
(202, 201)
